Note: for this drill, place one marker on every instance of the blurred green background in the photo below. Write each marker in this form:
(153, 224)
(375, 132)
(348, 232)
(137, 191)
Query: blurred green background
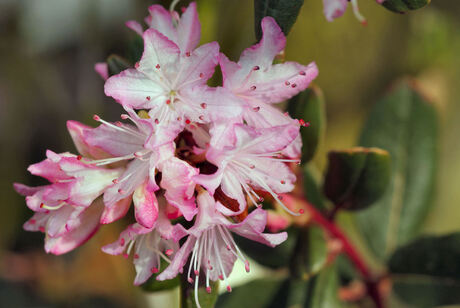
(47, 52)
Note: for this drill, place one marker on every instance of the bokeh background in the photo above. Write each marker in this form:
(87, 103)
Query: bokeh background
(47, 52)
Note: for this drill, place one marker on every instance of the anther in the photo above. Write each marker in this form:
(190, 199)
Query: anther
(208, 289)
(287, 83)
(121, 191)
(256, 68)
(118, 123)
(190, 279)
(252, 166)
(157, 66)
(203, 105)
(154, 270)
(122, 241)
(201, 118)
(42, 229)
(42, 205)
(253, 88)
(196, 272)
(256, 108)
(96, 118)
(169, 252)
(221, 277)
(201, 75)
(187, 121)
(136, 256)
(147, 98)
(168, 101)
(302, 73)
(79, 157)
(32, 221)
(246, 266)
(157, 121)
(301, 211)
(229, 289)
(187, 53)
(124, 116)
(293, 85)
(136, 65)
(283, 182)
(125, 255)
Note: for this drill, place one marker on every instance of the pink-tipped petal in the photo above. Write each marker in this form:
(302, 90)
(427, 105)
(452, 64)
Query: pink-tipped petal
(334, 8)
(135, 26)
(145, 206)
(161, 20)
(102, 69)
(189, 29)
(117, 211)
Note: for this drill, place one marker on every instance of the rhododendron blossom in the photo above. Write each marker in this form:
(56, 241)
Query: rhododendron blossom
(336, 8)
(186, 153)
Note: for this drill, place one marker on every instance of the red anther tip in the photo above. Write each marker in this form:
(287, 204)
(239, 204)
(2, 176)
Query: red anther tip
(256, 108)
(208, 289)
(187, 121)
(136, 65)
(253, 88)
(115, 181)
(124, 116)
(122, 241)
(96, 117)
(287, 83)
(79, 157)
(157, 66)
(118, 123)
(42, 205)
(42, 229)
(302, 73)
(168, 101)
(229, 289)
(136, 256)
(190, 279)
(201, 118)
(121, 191)
(201, 75)
(154, 270)
(147, 98)
(169, 252)
(157, 121)
(221, 277)
(256, 68)
(246, 267)
(182, 9)
(283, 182)
(364, 23)
(301, 122)
(32, 221)
(301, 211)
(293, 85)
(187, 53)
(203, 105)
(125, 255)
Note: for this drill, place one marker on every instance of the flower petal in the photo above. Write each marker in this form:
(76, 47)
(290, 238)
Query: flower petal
(179, 260)
(117, 211)
(334, 8)
(161, 20)
(145, 206)
(79, 133)
(189, 29)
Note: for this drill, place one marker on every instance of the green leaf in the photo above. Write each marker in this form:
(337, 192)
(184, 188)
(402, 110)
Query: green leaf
(273, 257)
(258, 293)
(310, 253)
(402, 6)
(309, 106)
(117, 64)
(324, 293)
(405, 125)
(285, 13)
(426, 272)
(357, 177)
(153, 285)
(205, 299)
(311, 190)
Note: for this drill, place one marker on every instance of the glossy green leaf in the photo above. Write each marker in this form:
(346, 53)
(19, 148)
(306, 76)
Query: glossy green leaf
(285, 13)
(310, 253)
(402, 6)
(117, 64)
(404, 124)
(426, 272)
(258, 293)
(308, 105)
(324, 292)
(357, 177)
(311, 190)
(205, 299)
(273, 257)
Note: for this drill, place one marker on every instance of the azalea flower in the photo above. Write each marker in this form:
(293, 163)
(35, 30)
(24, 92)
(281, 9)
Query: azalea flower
(211, 244)
(184, 31)
(172, 86)
(248, 159)
(128, 143)
(336, 8)
(66, 210)
(150, 246)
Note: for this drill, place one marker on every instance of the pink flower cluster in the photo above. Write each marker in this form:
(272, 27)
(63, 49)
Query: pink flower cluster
(336, 8)
(185, 152)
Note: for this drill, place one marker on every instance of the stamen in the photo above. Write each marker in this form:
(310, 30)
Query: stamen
(157, 66)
